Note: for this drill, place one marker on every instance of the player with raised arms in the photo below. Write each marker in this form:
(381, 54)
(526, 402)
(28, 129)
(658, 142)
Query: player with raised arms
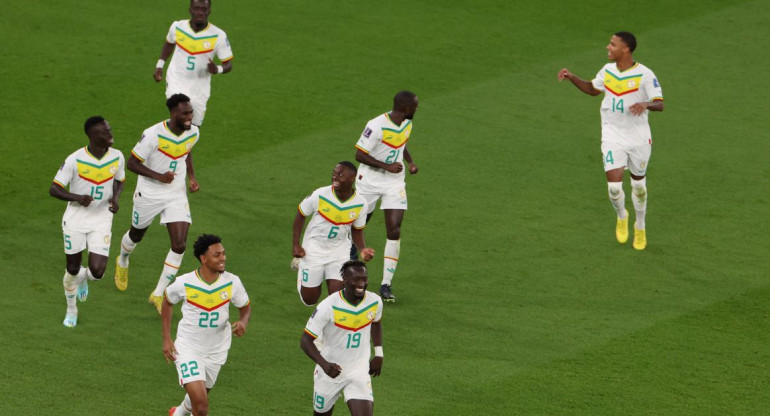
(194, 43)
(337, 214)
(631, 91)
(163, 161)
(94, 175)
(349, 322)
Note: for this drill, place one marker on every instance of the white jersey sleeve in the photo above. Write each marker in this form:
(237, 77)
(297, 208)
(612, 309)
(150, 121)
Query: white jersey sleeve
(240, 297)
(67, 171)
(598, 81)
(146, 145)
(120, 174)
(175, 292)
(371, 136)
(171, 36)
(651, 86)
(321, 317)
(360, 222)
(309, 205)
(222, 48)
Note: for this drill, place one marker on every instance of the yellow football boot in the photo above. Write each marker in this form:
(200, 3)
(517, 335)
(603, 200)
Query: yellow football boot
(621, 230)
(156, 301)
(640, 239)
(121, 276)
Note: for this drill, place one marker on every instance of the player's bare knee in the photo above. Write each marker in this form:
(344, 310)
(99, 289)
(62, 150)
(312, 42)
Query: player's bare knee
(309, 299)
(394, 232)
(97, 272)
(73, 269)
(178, 247)
(201, 409)
(136, 234)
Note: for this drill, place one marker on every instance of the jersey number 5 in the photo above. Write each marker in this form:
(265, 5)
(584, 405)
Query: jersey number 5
(190, 63)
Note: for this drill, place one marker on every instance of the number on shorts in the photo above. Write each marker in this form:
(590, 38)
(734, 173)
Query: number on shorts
(67, 242)
(333, 231)
(208, 320)
(608, 159)
(305, 275)
(354, 340)
(96, 192)
(189, 369)
(617, 106)
(172, 166)
(393, 156)
(190, 63)
(319, 401)
(136, 218)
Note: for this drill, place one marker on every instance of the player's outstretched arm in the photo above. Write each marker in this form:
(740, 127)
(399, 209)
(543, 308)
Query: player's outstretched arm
(166, 312)
(168, 49)
(358, 239)
(136, 166)
(306, 343)
(375, 364)
(58, 192)
(239, 326)
(194, 185)
(296, 231)
(581, 84)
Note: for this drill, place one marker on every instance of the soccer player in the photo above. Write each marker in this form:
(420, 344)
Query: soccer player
(194, 43)
(163, 161)
(347, 321)
(95, 176)
(381, 150)
(631, 91)
(338, 213)
(203, 335)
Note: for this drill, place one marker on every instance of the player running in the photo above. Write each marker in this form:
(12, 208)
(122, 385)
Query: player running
(349, 321)
(631, 91)
(95, 176)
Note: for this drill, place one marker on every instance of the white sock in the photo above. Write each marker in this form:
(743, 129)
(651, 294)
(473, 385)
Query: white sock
(170, 267)
(639, 197)
(392, 250)
(83, 274)
(618, 198)
(127, 247)
(184, 408)
(70, 283)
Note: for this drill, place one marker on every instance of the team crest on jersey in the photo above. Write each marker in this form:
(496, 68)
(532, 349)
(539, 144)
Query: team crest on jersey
(336, 214)
(355, 320)
(621, 85)
(195, 45)
(224, 295)
(97, 174)
(176, 149)
(208, 300)
(631, 84)
(396, 138)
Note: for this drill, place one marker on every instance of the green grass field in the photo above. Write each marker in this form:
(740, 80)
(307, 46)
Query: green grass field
(513, 296)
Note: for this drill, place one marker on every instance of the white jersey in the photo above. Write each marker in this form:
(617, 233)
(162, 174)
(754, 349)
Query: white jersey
(187, 71)
(330, 226)
(385, 141)
(87, 175)
(205, 323)
(162, 151)
(622, 89)
(346, 331)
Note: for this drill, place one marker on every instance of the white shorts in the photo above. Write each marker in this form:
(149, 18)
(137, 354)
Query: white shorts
(635, 158)
(193, 366)
(197, 101)
(393, 198)
(172, 208)
(85, 231)
(327, 390)
(314, 270)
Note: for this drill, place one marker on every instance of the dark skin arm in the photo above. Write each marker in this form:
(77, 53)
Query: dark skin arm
(375, 364)
(299, 222)
(638, 108)
(306, 343)
(408, 158)
(166, 312)
(136, 166)
(239, 326)
(194, 186)
(57, 191)
(367, 159)
(168, 49)
(581, 84)
(358, 239)
(226, 67)
(117, 189)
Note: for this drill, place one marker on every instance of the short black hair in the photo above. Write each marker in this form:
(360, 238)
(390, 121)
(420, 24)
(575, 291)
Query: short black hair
(175, 100)
(207, 1)
(203, 243)
(92, 121)
(628, 38)
(350, 264)
(349, 165)
(403, 99)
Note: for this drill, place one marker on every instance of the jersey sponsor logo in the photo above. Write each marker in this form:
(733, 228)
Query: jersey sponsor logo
(195, 45)
(355, 320)
(176, 148)
(338, 215)
(208, 299)
(396, 138)
(97, 174)
(621, 85)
